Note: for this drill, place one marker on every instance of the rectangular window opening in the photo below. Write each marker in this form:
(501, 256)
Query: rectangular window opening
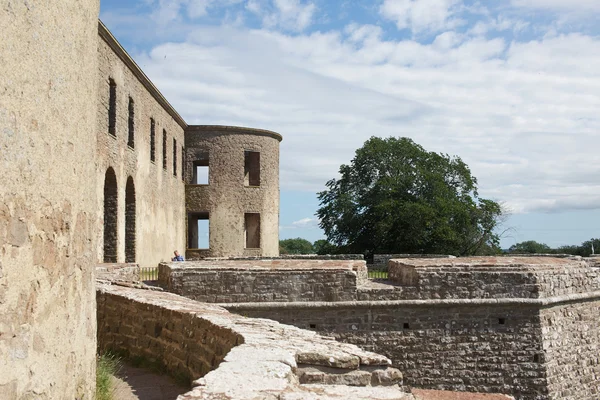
(182, 163)
(174, 157)
(251, 168)
(131, 125)
(152, 140)
(198, 230)
(201, 171)
(112, 107)
(164, 149)
(252, 230)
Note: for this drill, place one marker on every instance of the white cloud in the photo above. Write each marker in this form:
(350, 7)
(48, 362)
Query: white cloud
(288, 15)
(306, 223)
(421, 15)
(559, 5)
(523, 115)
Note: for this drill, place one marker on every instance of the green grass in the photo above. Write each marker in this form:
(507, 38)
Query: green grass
(378, 274)
(149, 274)
(107, 366)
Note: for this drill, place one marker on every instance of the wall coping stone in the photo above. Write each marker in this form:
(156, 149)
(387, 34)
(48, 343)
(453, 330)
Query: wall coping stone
(540, 302)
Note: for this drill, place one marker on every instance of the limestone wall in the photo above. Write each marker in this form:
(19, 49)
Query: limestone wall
(233, 281)
(491, 277)
(159, 188)
(229, 195)
(47, 227)
(237, 357)
(453, 347)
(526, 327)
(571, 335)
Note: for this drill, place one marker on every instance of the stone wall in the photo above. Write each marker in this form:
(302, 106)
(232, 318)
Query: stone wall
(380, 261)
(150, 226)
(436, 346)
(123, 272)
(490, 277)
(571, 334)
(47, 227)
(233, 281)
(227, 197)
(471, 324)
(237, 357)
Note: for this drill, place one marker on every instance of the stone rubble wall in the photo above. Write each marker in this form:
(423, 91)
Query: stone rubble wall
(233, 281)
(234, 357)
(571, 335)
(125, 272)
(491, 277)
(380, 261)
(461, 347)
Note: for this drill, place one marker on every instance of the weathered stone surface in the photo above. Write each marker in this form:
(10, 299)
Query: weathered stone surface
(442, 331)
(235, 357)
(126, 272)
(233, 281)
(47, 197)
(491, 277)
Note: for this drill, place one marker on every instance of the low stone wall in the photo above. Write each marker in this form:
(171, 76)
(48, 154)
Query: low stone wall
(264, 280)
(525, 327)
(380, 261)
(125, 272)
(234, 357)
(491, 277)
(490, 348)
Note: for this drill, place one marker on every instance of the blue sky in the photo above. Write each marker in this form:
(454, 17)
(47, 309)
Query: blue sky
(510, 86)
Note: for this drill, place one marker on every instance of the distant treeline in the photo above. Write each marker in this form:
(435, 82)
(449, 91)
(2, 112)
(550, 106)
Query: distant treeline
(585, 249)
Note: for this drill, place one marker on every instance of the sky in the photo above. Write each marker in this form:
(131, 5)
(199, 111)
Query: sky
(510, 86)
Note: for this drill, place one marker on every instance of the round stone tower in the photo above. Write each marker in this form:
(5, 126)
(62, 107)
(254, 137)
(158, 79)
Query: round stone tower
(232, 191)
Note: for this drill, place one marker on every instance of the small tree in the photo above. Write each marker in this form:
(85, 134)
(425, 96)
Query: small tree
(397, 197)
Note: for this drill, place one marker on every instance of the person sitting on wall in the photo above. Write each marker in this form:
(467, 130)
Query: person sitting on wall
(178, 257)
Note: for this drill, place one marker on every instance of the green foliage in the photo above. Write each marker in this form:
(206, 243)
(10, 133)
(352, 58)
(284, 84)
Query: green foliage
(295, 246)
(323, 247)
(529, 247)
(396, 197)
(107, 366)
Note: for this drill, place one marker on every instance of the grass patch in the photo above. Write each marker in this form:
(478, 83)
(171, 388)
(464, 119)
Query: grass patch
(107, 366)
(149, 274)
(378, 274)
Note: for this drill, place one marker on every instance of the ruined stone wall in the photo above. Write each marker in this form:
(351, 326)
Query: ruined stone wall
(159, 189)
(238, 357)
(234, 281)
(228, 196)
(571, 334)
(170, 339)
(436, 346)
(380, 261)
(491, 277)
(47, 199)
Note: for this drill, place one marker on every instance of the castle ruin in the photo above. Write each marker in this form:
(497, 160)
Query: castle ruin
(98, 168)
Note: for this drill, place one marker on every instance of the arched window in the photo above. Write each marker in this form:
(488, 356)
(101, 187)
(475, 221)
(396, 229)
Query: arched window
(130, 221)
(110, 216)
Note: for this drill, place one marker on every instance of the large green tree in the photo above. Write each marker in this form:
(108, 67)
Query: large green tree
(295, 246)
(396, 197)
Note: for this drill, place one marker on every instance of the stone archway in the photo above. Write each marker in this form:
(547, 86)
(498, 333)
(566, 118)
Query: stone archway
(130, 229)
(110, 216)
